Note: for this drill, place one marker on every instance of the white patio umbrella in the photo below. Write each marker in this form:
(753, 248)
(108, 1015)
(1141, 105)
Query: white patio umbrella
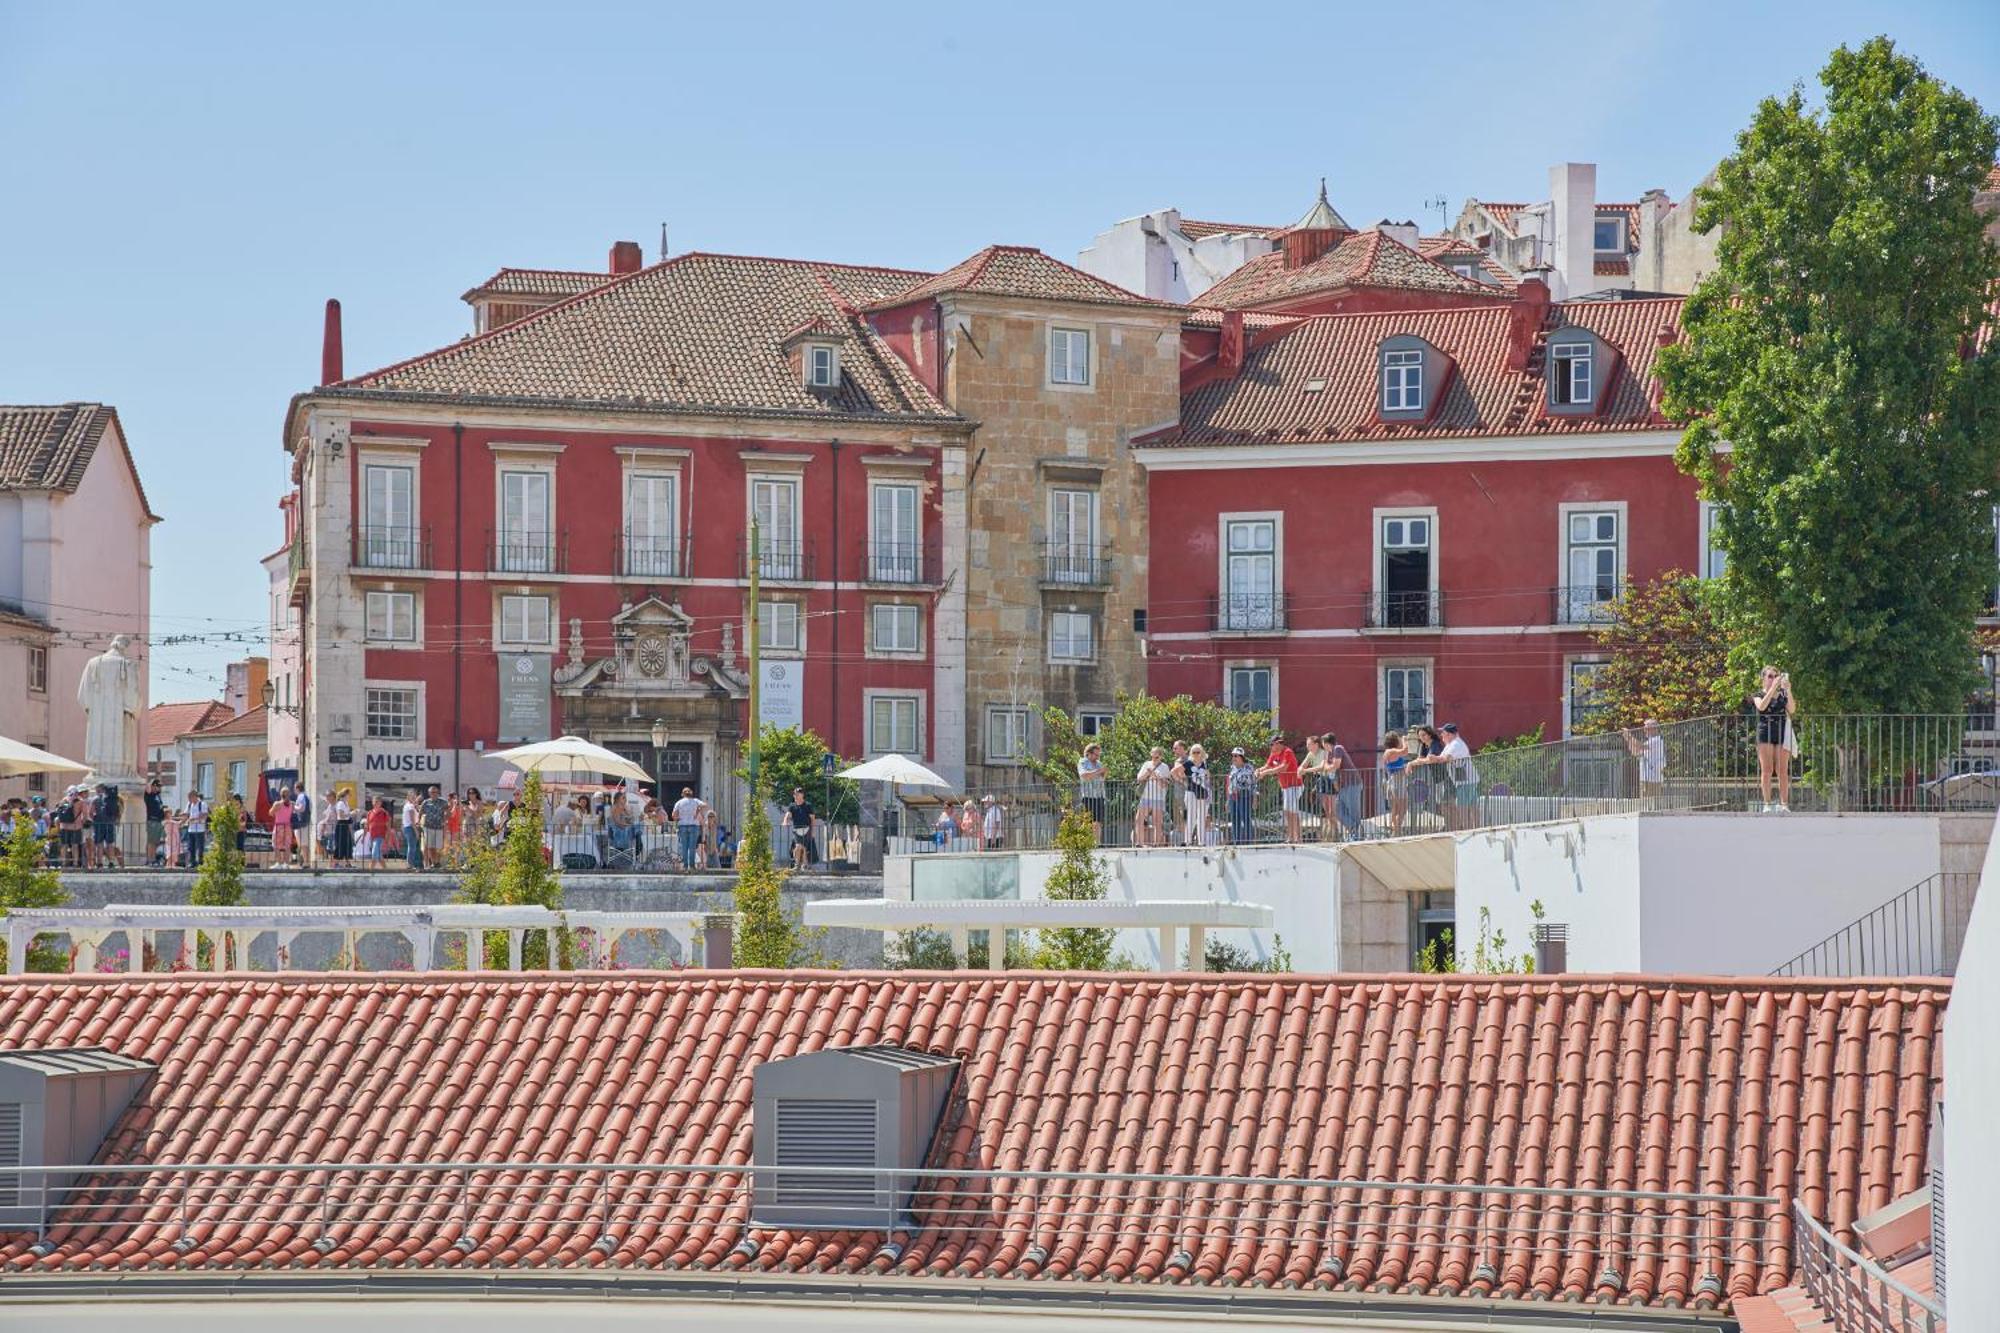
(18, 758)
(568, 756)
(894, 768)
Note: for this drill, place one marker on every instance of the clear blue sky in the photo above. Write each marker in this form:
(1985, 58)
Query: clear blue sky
(183, 185)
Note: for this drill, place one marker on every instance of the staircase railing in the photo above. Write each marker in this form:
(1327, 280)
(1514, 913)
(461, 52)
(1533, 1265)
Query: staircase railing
(1857, 1295)
(1919, 932)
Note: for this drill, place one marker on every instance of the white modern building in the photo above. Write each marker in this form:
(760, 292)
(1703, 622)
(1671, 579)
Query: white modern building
(1170, 258)
(1578, 243)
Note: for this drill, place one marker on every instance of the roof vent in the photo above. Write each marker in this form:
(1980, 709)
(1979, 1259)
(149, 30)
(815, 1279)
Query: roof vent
(1551, 947)
(56, 1107)
(845, 1121)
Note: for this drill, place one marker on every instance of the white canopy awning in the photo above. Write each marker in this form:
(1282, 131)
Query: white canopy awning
(895, 768)
(18, 759)
(568, 756)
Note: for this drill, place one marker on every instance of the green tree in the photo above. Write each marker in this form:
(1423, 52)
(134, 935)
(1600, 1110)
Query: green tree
(1489, 952)
(26, 882)
(1141, 722)
(1667, 646)
(1078, 876)
(766, 934)
(789, 757)
(1834, 407)
(518, 874)
(219, 883)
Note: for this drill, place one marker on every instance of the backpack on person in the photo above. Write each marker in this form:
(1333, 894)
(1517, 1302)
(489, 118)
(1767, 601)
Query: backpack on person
(108, 806)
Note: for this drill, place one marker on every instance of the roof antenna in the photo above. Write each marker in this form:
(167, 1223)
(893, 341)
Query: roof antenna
(1437, 203)
(663, 240)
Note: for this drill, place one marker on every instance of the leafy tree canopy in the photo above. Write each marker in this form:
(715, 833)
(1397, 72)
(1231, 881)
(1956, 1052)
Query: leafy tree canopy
(1667, 648)
(1832, 402)
(1140, 723)
(789, 757)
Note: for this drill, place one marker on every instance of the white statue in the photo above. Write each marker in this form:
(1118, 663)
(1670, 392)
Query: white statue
(111, 695)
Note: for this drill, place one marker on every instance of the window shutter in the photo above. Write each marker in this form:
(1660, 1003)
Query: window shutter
(826, 1132)
(10, 1153)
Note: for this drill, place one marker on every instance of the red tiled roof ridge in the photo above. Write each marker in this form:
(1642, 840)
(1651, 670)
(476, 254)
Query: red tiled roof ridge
(249, 722)
(967, 273)
(552, 272)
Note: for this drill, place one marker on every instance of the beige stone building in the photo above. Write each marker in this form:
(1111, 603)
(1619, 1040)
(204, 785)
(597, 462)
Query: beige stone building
(1058, 371)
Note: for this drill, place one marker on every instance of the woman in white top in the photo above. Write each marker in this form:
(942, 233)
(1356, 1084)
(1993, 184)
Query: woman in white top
(1195, 796)
(1149, 828)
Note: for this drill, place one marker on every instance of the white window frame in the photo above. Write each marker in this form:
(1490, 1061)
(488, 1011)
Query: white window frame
(1710, 552)
(655, 544)
(1403, 379)
(797, 646)
(1428, 666)
(38, 668)
(1570, 615)
(871, 698)
(822, 366)
(390, 544)
(1093, 722)
(1378, 588)
(1069, 617)
(892, 566)
(783, 571)
(1624, 233)
(1273, 622)
(416, 689)
(239, 778)
(1063, 335)
(1007, 715)
(1231, 667)
(916, 617)
(1078, 560)
(502, 638)
(503, 539)
(204, 779)
(1570, 665)
(389, 596)
(1576, 351)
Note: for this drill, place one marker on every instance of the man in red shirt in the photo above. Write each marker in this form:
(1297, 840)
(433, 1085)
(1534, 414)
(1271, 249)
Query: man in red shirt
(1284, 765)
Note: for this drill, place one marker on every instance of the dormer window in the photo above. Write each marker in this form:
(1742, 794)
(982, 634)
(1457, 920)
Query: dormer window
(1609, 234)
(1572, 373)
(1403, 380)
(822, 363)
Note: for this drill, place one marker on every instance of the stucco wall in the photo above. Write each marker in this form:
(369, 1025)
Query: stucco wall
(1971, 1110)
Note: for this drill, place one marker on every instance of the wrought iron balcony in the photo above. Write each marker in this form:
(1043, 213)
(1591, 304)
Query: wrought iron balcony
(378, 546)
(1419, 609)
(1583, 603)
(1248, 613)
(1076, 564)
(892, 562)
(527, 552)
(649, 558)
(779, 561)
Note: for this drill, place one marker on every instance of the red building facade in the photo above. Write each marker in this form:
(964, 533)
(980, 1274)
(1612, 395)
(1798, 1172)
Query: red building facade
(1369, 520)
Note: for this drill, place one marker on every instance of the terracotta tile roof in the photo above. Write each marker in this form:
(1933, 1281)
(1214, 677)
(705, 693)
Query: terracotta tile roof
(1611, 268)
(1502, 214)
(1196, 231)
(1018, 271)
(548, 282)
(1445, 249)
(49, 448)
(1270, 401)
(1207, 317)
(1993, 177)
(164, 722)
(1365, 259)
(253, 723)
(697, 333)
(1754, 1086)
(1791, 1310)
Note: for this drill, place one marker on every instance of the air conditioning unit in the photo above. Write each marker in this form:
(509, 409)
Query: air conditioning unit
(56, 1107)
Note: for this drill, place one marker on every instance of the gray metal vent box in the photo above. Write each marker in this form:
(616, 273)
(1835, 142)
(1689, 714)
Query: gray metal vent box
(871, 1109)
(56, 1106)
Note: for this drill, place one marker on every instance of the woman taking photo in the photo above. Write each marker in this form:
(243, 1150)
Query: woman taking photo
(1774, 706)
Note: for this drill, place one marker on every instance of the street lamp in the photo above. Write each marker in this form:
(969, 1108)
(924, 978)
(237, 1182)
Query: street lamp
(659, 734)
(271, 700)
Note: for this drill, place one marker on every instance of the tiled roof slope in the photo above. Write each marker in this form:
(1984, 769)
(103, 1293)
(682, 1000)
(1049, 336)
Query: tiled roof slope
(1444, 249)
(252, 723)
(1365, 259)
(48, 448)
(698, 333)
(1749, 1086)
(539, 282)
(1269, 401)
(163, 722)
(1018, 271)
(1196, 231)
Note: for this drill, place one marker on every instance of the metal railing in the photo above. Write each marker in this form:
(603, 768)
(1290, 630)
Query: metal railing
(1919, 932)
(1076, 564)
(528, 553)
(785, 561)
(1247, 613)
(1857, 1294)
(1478, 1238)
(1844, 764)
(1404, 610)
(1583, 603)
(649, 557)
(392, 547)
(892, 562)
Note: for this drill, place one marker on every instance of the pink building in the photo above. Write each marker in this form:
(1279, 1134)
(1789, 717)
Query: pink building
(75, 565)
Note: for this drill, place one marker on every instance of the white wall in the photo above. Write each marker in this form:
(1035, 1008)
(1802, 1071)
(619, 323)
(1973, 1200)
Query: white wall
(1971, 1111)
(1708, 894)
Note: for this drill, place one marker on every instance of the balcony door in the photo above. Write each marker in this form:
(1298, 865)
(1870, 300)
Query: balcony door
(774, 503)
(650, 539)
(525, 545)
(1072, 536)
(893, 557)
(1250, 592)
(387, 518)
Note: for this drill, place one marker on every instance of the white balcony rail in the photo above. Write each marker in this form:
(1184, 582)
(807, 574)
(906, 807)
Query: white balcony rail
(1857, 1294)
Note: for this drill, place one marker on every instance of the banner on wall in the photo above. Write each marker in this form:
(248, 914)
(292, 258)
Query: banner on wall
(781, 693)
(524, 698)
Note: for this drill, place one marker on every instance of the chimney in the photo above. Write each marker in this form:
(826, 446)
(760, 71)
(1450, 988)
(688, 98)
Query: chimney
(1403, 233)
(1304, 245)
(1524, 319)
(1230, 357)
(329, 346)
(1573, 219)
(627, 257)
